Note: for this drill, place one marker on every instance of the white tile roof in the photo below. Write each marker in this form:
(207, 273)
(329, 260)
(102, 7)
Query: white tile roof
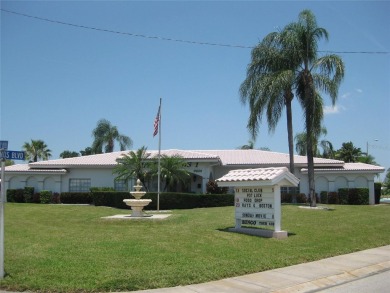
(273, 175)
(259, 157)
(233, 158)
(351, 167)
(110, 159)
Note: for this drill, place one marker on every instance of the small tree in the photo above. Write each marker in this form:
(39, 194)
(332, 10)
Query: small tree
(173, 171)
(134, 165)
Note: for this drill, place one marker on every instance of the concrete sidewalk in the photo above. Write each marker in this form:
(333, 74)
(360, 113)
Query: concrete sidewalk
(312, 276)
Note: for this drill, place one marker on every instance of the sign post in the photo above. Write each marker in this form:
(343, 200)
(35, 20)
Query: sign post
(5, 155)
(257, 199)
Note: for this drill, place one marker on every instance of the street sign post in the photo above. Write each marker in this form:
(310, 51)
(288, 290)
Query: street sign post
(3, 144)
(5, 155)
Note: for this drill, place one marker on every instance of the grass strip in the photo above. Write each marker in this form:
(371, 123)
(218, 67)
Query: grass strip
(62, 248)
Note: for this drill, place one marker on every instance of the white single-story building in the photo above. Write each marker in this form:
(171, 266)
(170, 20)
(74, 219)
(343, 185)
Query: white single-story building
(80, 173)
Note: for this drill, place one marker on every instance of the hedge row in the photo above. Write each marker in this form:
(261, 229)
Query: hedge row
(27, 195)
(115, 198)
(289, 198)
(351, 196)
(167, 200)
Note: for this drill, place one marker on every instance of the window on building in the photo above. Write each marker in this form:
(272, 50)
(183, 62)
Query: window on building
(79, 185)
(289, 190)
(120, 185)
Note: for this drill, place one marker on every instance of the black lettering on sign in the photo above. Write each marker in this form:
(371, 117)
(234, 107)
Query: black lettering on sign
(248, 222)
(247, 215)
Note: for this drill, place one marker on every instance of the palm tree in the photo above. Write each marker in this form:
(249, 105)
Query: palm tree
(134, 165)
(105, 134)
(173, 171)
(36, 150)
(313, 75)
(348, 153)
(268, 87)
(326, 145)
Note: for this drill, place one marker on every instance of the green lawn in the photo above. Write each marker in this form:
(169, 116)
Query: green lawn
(61, 248)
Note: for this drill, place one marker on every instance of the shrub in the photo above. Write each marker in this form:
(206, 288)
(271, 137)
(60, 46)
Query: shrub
(301, 198)
(213, 188)
(333, 198)
(11, 195)
(324, 196)
(76, 197)
(45, 196)
(358, 196)
(15, 195)
(92, 189)
(286, 198)
(354, 196)
(56, 198)
(378, 189)
(343, 195)
(28, 194)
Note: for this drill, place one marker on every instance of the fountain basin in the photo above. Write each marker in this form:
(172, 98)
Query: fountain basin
(137, 206)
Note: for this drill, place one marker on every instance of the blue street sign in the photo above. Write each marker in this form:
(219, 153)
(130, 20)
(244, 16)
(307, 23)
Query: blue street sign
(12, 155)
(4, 144)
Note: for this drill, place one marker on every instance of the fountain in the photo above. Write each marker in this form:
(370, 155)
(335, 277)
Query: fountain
(137, 204)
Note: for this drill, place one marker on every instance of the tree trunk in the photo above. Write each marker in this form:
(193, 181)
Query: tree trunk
(310, 116)
(310, 166)
(288, 99)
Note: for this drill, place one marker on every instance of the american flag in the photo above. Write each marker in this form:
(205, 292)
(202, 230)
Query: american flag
(156, 121)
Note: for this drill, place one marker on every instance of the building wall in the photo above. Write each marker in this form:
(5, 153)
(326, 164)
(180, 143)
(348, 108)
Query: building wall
(332, 182)
(200, 172)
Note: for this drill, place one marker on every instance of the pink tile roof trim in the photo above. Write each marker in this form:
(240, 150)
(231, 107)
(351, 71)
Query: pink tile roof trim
(259, 174)
(26, 168)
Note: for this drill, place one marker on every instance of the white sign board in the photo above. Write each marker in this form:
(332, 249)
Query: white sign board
(257, 199)
(255, 206)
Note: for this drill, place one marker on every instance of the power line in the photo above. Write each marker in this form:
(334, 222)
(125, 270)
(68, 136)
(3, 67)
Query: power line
(170, 39)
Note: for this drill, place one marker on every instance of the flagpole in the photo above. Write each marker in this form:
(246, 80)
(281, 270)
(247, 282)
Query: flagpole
(159, 156)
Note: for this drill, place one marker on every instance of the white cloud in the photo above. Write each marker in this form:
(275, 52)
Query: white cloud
(333, 109)
(359, 91)
(345, 96)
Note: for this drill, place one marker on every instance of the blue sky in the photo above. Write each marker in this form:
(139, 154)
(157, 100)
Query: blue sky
(58, 80)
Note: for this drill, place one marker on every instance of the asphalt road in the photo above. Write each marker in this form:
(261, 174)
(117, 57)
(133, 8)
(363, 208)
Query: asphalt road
(379, 282)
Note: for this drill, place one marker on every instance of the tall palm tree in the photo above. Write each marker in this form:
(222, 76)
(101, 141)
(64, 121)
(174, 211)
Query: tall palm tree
(134, 165)
(268, 87)
(105, 134)
(36, 150)
(326, 145)
(313, 75)
(173, 171)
